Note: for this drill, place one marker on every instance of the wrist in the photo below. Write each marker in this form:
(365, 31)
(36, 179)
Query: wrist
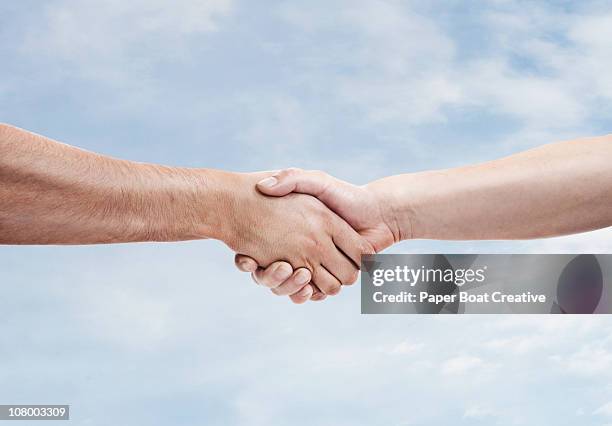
(215, 205)
(398, 198)
(179, 204)
(224, 206)
(221, 205)
(388, 208)
(227, 204)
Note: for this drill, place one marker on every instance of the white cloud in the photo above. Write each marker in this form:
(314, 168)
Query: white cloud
(518, 344)
(537, 101)
(111, 38)
(126, 317)
(605, 410)
(401, 64)
(589, 361)
(477, 412)
(278, 122)
(461, 365)
(404, 67)
(343, 69)
(563, 85)
(395, 66)
(589, 242)
(405, 348)
(278, 131)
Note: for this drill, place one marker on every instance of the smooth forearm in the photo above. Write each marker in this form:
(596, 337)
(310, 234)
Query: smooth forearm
(51, 193)
(553, 190)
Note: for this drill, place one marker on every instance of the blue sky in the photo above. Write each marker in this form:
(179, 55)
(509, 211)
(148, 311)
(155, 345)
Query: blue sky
(171, 333)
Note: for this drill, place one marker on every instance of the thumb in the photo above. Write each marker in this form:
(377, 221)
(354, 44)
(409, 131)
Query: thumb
(245, 263)
(314, 183)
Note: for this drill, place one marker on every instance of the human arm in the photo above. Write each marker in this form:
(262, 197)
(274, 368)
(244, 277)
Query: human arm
(52, 193)
(552, 190)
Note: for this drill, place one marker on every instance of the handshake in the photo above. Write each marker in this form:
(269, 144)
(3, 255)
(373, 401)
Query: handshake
(308, 242)
(311, 245)
(300, 233)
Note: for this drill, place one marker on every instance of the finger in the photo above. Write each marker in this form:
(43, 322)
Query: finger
(303, 295)
(274, 275)
(341, 267)
(310, 182)
(349, 241)
(299, 279)
(245, 263)
(326, 282)
(317, 294)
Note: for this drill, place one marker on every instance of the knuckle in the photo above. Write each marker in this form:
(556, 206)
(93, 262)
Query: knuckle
(318, 173)
(313, 204)
(312, 245)
(291, 171)
(282, 271)
(329, 286)
(367, 249)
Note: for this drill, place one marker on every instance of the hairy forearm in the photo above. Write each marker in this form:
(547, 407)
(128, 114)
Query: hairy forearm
(556, 189)
(51, 193)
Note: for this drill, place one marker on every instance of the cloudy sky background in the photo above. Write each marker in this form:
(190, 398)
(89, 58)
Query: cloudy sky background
(170, 333)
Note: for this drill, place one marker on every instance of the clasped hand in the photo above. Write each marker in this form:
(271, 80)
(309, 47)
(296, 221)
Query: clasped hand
(323, 226)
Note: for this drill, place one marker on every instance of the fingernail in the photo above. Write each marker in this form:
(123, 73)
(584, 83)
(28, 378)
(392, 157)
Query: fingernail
(268, 182)
(304, 293)
(247, 266)
(282, 272)
(317, 297)
(302, 277)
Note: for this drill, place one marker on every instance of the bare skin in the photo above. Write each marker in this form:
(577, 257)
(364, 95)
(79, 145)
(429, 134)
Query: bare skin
(553, 190)
(52, 193)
